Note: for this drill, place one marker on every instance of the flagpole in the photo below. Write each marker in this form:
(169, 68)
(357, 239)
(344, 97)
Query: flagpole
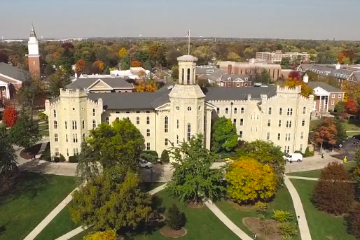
(189, 43)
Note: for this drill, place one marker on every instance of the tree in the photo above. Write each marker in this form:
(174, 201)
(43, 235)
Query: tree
(250, 181)
(306, 91)
(351, 106)
(10, 116)
(119, 143)
(340, 131)
(193, 177)
(285, 63)
(334, 193)
(88, 166)
(353, 220)
(145, 86)
(112, 200)
(175, 73)
(106, 235)
(340, 57)
(125, 62)
(264, 77)
(80, 66)
(25, 133)
(175, 219)
(7, 156)
(122, 52)
(325, 132)
(98, 67)
(135, 64)
(224, 136)
(165, 156)
(340, 107)
(67, 60)
(4, 58)
(58, 80)
(265, 153)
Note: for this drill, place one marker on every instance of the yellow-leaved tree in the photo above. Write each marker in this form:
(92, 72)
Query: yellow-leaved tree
(106, 235)
(250, 181)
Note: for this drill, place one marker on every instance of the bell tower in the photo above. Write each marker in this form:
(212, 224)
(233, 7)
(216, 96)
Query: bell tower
(33, 54)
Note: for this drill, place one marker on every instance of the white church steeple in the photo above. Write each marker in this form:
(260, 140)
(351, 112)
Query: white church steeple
(33, 53)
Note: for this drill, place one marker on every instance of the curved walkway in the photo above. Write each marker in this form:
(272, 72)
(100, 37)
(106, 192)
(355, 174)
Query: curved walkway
(299, 210)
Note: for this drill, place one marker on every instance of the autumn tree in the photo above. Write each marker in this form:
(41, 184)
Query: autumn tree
(266, 153)
(122, 52)
(10, 116)
(80, 66)
(351, 106)
(98, 67)
(353, 220)
(250, 181)
(146, 86)
(193, 177)
(224, 136)
(58, 80)
(135, 64)
(334, 192)
(112, 200)
(306, 91)
(120, 143)
(175, 73)
(8, 164)
(325, 132)
(105, 235)
(341, 58)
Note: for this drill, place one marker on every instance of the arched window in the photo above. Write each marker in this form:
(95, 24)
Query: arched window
(235, 110)
(83, 124)
(188, 76)
(94, 112)
(54, 113)
(242, 110)
(107, 120)
(226, 110)
(182, 75)
(55, 124)
(304, 110)
(94, 124)
(280, 111)
(65, 124)
(117, 118)
(166, 124)
(188, 131)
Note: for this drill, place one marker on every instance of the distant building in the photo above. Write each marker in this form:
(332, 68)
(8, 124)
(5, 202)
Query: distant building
(325, 97)
(101, 84)
(277, 56)
(250, 68)
(33, 54)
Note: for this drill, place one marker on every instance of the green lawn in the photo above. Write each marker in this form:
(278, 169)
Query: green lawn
(201, 223)
(316, 173)
(322, 226)
(282, 201)
(35, 196)
(314, 123)
(351, 125)
(63, 224)
(44, 128)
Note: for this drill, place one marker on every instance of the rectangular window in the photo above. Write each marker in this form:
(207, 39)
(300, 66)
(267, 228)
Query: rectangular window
(288, 124)
(269, 111)
(148, 132)
(287, 149)
(147, 146)
(66, 137)
(241, 134)
(147, 120)
(279, 123)
(333, 95)
(303, 123)
(302, 135)
(56, 136)
(289, 111)
(166, 141)
(177, 139)
(226, 110)
(218, 110)
(137, 120)
(241, 122)
(301, 147)
(166, 124)
(242, 110)
(67, 152)
(304, 110)
(235, 110)
(269, 123)
(279, 136)
(340, 95)
(280, 111)
(234, 121)
(57, 152)
(268, 136)
(75, 138)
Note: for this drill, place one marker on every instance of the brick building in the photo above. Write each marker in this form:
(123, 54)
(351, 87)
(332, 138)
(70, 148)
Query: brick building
(325, 97)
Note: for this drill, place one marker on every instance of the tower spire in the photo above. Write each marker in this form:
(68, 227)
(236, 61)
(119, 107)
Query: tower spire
(32, 32)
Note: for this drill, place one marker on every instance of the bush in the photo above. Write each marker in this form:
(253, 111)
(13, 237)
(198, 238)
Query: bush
(43, 117)
(165, 156)
(106, 235)
(308, 153)
(151, 156)
(282, 216)
(175, 219)
(10, 116)
(60, 158)
(353, 220)
(261, 207)
(73, 159)
(334, 193)
(288, 229)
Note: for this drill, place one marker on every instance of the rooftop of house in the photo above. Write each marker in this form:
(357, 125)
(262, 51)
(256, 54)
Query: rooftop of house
(205, 70)
(234, 77)
(152, 100)
(112, 82)
(324, 86)
(14, 72)
(328, 70)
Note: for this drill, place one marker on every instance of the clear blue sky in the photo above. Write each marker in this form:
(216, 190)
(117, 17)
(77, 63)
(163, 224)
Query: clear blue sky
(304, 19)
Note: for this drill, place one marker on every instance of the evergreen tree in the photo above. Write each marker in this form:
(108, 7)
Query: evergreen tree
(7, 155)
(165, 156)
(175, 219)
(224, 136)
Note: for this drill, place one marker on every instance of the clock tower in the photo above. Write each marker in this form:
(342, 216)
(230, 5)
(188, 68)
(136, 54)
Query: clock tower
(33, 54)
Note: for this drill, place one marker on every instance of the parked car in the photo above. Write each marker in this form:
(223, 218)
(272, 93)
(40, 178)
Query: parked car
(293, 157)
(145, 164)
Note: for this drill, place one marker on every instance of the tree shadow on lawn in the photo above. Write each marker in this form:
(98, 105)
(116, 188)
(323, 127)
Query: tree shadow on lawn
(25, 184)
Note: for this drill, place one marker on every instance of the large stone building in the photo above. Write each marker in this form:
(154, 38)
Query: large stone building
(277, 56)
(174, 114)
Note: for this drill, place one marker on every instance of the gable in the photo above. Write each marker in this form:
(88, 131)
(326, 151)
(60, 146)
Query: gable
(99, 85)
(320, 91)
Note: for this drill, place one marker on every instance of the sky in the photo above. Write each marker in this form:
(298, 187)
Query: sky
(288, 19)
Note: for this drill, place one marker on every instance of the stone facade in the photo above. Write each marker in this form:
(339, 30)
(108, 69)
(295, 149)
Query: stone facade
(280, 115)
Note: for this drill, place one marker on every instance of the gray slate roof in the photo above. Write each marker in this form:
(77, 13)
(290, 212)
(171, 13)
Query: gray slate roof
(327, 70)
(205, 70)
(116, 83)
(324, 86)
(216, 74)
(14, 72)
(233, 77)
(152, 100)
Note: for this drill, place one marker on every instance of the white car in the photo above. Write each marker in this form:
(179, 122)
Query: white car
(145, 164)
(293, 157)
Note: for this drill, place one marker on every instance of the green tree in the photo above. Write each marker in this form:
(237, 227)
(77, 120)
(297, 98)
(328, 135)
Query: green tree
(193, 177)
(7, 156)
(340, 107)
(25, 133)
(119, 143)
(266, 153)
(31, 95)
(125, 62)
(175, 73)
(58, 80)
(165, 156)
(112, 200)
(341, 132)
(263, 77)
(224, 136)
(175, 219)
(88, 166)
(66, 61)
(285, 63)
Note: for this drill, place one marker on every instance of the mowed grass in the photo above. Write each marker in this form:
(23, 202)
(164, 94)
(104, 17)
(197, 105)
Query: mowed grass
(236, 213)
(322, 226)
(63, 224)
(43, 128)
(34, 197)
(316, 173)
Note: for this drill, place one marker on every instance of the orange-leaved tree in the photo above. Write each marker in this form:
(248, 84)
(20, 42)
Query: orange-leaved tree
(80, 66)
(10, 116)
(341, 57)
(135, 64)
(250, 181)
(293, 82)
(98, 66)
(351, 106)
(326, 132)
(146, 86)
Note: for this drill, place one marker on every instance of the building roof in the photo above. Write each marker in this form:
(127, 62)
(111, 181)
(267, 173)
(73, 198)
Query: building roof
(187, 58)
(205, 70)
(216, 74)
(327, 70)
(324, 86)
(233, 77)
(14, 72)
(152, 100)
(115, 82)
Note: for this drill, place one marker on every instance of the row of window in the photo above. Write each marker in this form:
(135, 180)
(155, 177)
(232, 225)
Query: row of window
(242, 110)
(74, 124)
(287, 136)
(75, 138)
(287, 148)
(288, 113)
(93, 112)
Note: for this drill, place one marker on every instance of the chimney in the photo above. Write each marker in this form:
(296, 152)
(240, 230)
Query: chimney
(229, 69)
